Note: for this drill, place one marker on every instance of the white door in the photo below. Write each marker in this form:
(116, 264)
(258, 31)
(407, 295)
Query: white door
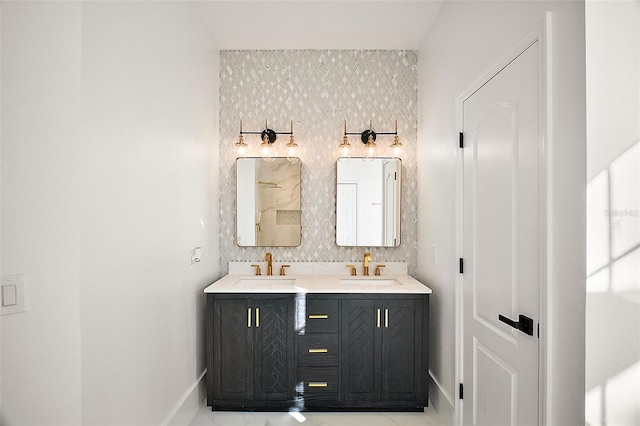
(346, 223)
(389, 204)
(501, 246)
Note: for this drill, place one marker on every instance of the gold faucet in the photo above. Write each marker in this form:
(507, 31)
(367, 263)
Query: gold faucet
(367, 259)
(269, 258)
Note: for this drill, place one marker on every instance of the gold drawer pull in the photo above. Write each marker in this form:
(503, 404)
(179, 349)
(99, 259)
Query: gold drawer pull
(318, 316)
(317, 384)
(249, 317)
(318, 351)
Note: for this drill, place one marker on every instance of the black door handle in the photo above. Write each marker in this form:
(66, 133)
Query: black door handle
(525, 324)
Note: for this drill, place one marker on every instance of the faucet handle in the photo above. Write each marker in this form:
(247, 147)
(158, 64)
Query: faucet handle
(257, 269)
(282, 270)
(353, 269)
(378, 267)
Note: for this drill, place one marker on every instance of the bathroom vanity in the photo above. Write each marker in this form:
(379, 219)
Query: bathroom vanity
(317, 339)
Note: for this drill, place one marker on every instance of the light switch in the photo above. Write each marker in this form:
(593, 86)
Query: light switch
(9, 295)
(12, 294)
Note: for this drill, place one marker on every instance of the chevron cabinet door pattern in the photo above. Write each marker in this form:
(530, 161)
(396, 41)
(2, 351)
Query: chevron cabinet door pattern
(401, 354)
(232, 343)
(274, 350)
(359, 349)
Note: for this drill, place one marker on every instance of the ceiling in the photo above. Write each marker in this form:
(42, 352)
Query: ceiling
(319, 24)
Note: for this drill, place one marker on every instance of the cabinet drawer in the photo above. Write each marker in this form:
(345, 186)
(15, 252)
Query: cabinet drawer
(318, 383)
(321, 316)
(318, 350)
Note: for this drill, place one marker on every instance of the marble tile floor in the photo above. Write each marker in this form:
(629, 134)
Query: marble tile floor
(206, 417)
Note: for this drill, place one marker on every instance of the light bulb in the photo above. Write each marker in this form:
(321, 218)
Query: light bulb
(241, 147)
(345, 146)
(292, 146)
(396, 146)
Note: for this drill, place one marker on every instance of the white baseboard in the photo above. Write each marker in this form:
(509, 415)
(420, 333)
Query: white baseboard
(441, 402)
(189, 404)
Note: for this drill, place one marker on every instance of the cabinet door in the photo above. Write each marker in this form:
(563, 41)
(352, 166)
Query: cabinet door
(360, 350)
(274, 349)
(232, 350)
(402, 350)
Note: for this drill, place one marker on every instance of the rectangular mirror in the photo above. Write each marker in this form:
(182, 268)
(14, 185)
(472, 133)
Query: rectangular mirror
(368, 200)
(268, 202)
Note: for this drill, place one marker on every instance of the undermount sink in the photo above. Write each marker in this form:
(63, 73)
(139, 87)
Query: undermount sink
(264, 282)
(369, 281)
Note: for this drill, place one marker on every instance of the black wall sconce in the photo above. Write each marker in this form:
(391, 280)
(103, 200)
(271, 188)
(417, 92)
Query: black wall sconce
(268, 137)
(368, 138)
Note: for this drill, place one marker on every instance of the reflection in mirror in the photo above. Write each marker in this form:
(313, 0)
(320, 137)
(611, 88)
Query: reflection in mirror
(268, 202)
(368, 201)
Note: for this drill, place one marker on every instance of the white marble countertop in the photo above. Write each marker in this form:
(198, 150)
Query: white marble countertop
(318, 278)
(327, 283)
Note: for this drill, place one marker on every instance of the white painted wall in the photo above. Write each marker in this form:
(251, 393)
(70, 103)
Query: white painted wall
(466, 40)
(40, 210)
(613, 213)
(109, 177)
(149, 194)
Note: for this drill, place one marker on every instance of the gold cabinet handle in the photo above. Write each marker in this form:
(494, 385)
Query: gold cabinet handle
(378, 318)
(318, 316)
(257, 317)
(318, 351)
(386, 318)
(317, 384)
(249, 317)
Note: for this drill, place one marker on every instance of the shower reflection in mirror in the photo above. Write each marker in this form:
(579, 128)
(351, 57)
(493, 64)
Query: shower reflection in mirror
(268, 202)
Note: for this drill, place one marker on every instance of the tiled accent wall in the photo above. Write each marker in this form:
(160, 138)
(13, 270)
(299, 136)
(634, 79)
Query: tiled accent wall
(318, 89)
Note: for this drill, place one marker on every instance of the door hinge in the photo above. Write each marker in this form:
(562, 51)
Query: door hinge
(461, 266)
(461, 141)
(461, 391)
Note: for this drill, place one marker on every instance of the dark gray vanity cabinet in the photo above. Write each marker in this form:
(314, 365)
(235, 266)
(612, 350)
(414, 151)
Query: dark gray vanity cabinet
(384, 353)
(318, 352)
(250, 351)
